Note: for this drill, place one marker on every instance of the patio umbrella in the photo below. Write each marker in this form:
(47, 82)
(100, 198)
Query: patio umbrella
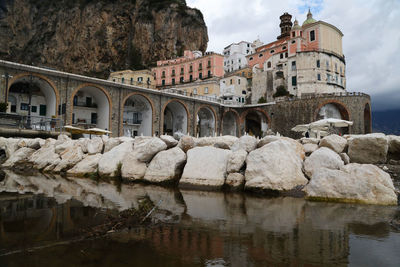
(74, 130)
(97, 131)
(331, 122)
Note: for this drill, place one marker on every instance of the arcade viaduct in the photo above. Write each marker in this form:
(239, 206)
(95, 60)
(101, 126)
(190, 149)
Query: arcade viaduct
(125, 109)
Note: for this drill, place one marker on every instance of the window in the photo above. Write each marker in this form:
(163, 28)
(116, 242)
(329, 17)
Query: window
(238, 81)
(327, 65)
(294, 80)
(181, 80)
(224, 63)
(131, 80)
(251, 58)
(122, 80)
(191, 68)
(173, 81)
(318, 76)
(191, 77)
(336, 67)
(34, 109)
(209, 64)
(247, 51)
(195, 91)
(312, 35)
(341, 70)
(42, 110)
(328, 77)
(318, 64)
(181, 70)
(200, 66)
(173, 72)
(232, 61)
(24, 106)
(269, 64)
(231, 81)
(283, 48)
(294, 41)
(272, 51)
(140, 79)
(200, 75)
(163, 82)
(205, 90)
(293, 34)
(301, 33)
(209, 74)
(163, 74)
(260, 55)
(243, 92)
(239, 60)
(113, 80)
(248, 45)
(281, 55)
(286, 54)
(293, 65)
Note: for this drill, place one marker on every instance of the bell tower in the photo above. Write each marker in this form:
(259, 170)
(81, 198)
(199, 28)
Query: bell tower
(285, 25)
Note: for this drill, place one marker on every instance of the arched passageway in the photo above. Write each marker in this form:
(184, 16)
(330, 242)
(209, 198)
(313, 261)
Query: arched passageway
(175, 118)
(34, 97)
(91, 108)
(229, 124)
(205, 125)
(256, 123)
(367, 119)
(137, 116)
(336, 111)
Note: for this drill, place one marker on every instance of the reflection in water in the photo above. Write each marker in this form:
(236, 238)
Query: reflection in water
(199, 229)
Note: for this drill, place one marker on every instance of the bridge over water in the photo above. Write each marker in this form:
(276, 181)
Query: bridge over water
(132, 109)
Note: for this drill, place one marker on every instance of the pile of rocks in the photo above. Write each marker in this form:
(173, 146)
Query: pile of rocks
(334, 168)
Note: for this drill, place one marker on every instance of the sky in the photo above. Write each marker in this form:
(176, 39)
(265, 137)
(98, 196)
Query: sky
(371, 41)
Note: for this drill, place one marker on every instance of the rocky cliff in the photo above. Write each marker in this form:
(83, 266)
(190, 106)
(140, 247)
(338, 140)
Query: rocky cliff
(93, 37)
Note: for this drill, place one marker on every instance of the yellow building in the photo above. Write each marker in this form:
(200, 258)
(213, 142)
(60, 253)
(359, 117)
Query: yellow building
(142, 78)
(208, 87)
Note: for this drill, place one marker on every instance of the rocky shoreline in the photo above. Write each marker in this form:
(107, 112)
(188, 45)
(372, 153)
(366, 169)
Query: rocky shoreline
(334, 168)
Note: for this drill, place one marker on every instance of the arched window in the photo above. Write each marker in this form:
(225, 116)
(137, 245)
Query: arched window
(269, 64)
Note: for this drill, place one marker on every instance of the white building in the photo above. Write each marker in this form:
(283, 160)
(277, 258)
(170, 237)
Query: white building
(235, 55)
(233, 89)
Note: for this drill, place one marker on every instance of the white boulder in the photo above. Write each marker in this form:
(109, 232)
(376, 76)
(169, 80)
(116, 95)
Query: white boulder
(369, 148)
(275, 166)
(111, 143)
(322, 157)
(147, 148)
(245, 142)
(309, 140)
(132, 169)
(206, 166)
(166, 165)
(225, 141)
(394, 146)
(45, 156)
(95, 145)
(186, 142)
(334, 142)
(295, 144)
(236, 161)
(69, 157)
(20, 156)
(364, 183)
(169, 140)
(310, 148)
(87, 165)
(345, 158)
(109, 160)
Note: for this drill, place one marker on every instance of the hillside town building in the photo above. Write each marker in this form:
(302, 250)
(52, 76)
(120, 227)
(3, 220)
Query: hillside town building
(191, 67)
(235, 55)
(139, 77)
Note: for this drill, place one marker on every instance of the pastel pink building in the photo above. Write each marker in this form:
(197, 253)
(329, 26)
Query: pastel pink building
(189, 68)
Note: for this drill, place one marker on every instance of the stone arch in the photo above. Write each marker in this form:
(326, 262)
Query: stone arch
(341, 108)
(174, 117)
(333, 109)
(103, 104)
(230, 123)
(206, 121)
(367, 119)
(146, 124)
(256, 121)
(47, 88)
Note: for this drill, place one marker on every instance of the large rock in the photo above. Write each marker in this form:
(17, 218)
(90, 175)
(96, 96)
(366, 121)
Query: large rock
(111, 143)
(133, 169)
(62, 146)
(245, 142)
(20, 156)
(206, 166)
(394, 146)
(322, 158)
(10, 145)
(224, 142)
(186, 142)
(345, 158)
(236, 161)
(369, 148)
(147, 148)
(309, 140)
(310, 148)
(362, 183)
(45, 156)
(109, 161)
(276, 166)
(169, 140)
(87, 165)
(295, 144)
(166, 166)
(31, 143)
(95, 145)
(69, 157)
(334, 142)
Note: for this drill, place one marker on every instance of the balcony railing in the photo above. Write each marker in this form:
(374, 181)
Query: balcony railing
(39, 123)
(85, 104)
(132, 121)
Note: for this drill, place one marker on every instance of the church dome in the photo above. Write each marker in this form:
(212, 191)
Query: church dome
(296, 25)
(309, 19)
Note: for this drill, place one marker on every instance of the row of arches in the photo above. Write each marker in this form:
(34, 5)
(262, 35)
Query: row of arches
(91, 106)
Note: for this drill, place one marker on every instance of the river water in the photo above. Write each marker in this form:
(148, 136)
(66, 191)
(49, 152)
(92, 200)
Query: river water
(42, 218)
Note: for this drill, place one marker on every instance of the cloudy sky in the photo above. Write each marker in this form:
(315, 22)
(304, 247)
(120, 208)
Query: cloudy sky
(371, 42)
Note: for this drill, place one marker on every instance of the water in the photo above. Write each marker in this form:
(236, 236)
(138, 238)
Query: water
(42, 219)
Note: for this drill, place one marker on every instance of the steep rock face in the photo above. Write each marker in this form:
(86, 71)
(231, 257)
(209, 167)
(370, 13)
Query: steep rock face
(92, 37)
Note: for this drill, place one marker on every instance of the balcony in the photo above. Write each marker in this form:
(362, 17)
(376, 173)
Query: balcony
(132, 121)
(84, 104)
